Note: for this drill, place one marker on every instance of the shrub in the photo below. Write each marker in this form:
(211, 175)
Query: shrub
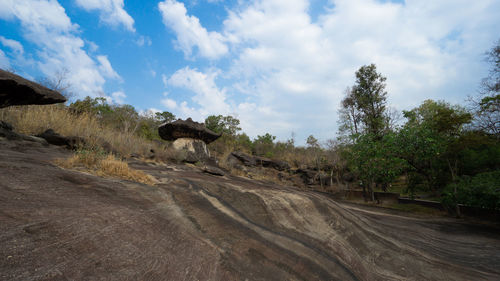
(481, 190)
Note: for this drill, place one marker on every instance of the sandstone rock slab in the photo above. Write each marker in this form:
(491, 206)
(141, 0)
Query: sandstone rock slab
(15, 90)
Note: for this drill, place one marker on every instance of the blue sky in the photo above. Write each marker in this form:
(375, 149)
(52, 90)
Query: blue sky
(280, 66)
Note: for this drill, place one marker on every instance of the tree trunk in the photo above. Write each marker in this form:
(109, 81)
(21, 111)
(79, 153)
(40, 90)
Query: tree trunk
(453, 171)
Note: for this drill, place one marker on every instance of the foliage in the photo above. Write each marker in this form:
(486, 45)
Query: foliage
(369, 97)
(63, 120)
(264, 145)
(481, 190)
(374, 161)
(223, 124)
(96, 106)
(486, 105)
(349, 115)
(312, 142)
(430, 143)
(164, 117)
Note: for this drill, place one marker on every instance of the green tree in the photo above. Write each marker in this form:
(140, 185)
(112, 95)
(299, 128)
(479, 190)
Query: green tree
(96, 106)
(369, 97)
(374, 161)
(164, 117)
(312, 142)
(264, 145)
(430, 141)
(223, 124)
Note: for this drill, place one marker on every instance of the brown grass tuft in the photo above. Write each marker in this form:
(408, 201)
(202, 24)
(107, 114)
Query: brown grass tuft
(104, 165)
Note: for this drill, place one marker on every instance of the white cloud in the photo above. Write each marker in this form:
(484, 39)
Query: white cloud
(293, 70)
(143, 40)
(207, 96)
(92, 46)
(111, 12)
(118, 97)
(170, 104)
(4, 61)
(190, 33)
(106, 69)
(12, 44)
(45, 24)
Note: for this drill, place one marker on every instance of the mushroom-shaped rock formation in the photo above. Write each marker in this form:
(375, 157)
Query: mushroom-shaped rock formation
(15, 90)
(190, 138)
(187, 129)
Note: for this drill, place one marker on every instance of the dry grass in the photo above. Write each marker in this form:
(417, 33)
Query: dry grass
(105, 166)
(35, 119)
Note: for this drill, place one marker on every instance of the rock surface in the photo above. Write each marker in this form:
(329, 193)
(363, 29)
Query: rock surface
(192, 150)
(7, 131)
(57, 224)
(186, 129)
(54, 138)
(15, 90)
(238, 157)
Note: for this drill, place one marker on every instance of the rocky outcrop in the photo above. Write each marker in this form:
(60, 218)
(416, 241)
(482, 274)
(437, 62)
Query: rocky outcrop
(7, 131)
(239, 158)
(54, 138)
(190, 139)
(186, 129)
(312, 177)
(57, 224)
(15, 90)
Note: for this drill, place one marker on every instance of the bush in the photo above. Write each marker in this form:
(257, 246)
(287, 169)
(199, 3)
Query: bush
(35, 119)
(481, 190)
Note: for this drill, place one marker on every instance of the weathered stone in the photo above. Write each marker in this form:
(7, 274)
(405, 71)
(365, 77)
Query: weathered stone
(194, 226)
(193, 150)
(15, 90)
(213, 170)
(242, 158)
(54, 138)
(238, 157)
(7, 131)
(186, 129)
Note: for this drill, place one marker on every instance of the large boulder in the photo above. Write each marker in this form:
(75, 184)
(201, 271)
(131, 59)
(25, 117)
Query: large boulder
(186, 129)
(15, 90)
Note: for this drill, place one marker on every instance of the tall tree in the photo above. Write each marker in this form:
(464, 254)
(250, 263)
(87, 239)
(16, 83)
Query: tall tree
(369, 97)
(486, 106)
(349, 115)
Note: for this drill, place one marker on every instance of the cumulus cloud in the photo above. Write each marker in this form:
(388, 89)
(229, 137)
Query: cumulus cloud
(45, 24)
(293, 70)
(12, 44)
(4, 61)
(111, 12)
(118, 97)
(106, 69)
(207, 96)
(190, 33)
(143, 41)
